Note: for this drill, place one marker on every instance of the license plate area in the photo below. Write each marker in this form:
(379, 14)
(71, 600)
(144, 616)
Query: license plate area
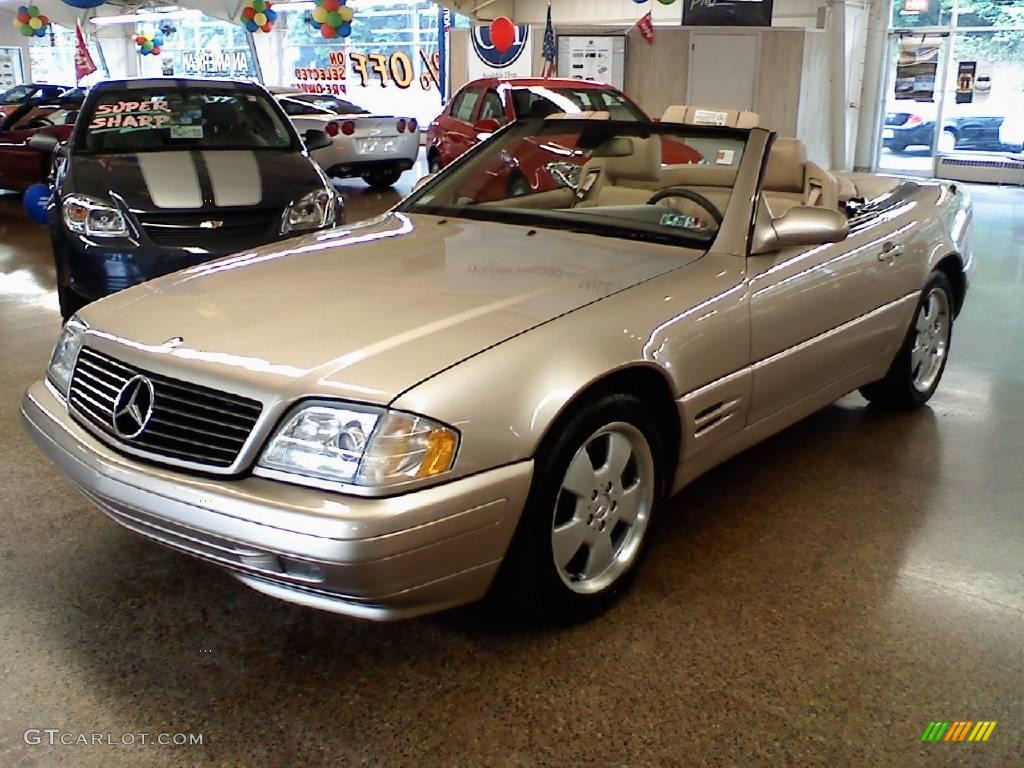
(375, 144)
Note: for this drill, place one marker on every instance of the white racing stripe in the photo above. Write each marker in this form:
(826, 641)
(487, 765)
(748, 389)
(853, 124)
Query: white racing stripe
(171, 179)
(235, 177)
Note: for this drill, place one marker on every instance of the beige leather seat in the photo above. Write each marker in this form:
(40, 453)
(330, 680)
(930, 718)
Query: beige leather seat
(617, 173)
(789, 179)
(689, 115)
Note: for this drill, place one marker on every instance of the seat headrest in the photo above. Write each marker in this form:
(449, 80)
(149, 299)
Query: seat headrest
(590, 115)
(643, 163)
(785, 169)
(733, 118)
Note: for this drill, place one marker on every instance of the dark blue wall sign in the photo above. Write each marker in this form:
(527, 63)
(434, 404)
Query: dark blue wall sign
(492, 56)
(727, 13)
(84, 3)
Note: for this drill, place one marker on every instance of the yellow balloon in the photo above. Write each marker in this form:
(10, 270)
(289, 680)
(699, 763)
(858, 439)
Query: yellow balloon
(35, 22)
(16, 22)
(346, 13)
(260, 19)
(319, 15)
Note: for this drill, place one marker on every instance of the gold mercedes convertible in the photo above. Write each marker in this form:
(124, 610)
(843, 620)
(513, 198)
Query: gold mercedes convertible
(494, 388)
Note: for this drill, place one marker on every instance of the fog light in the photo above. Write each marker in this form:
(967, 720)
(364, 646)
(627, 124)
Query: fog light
(302, 570)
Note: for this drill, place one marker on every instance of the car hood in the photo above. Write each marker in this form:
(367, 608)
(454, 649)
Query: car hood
(366, 312)
(195, 180)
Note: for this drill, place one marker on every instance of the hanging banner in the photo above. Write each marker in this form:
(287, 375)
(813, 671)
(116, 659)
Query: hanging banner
(966, 72)
(84, 65)
(727, 13)
(501, 58)
(916, 68)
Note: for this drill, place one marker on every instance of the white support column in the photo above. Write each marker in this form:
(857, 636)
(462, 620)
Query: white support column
(837, 93)
(874, 81)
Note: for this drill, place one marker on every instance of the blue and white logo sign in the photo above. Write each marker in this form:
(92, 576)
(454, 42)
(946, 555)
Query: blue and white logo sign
(488, 61)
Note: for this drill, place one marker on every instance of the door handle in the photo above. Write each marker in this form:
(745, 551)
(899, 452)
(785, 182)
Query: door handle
(890, 251)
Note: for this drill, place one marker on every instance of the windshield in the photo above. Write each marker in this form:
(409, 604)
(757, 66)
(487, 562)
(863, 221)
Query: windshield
(19, 93)
(540, 101)
(652, 181)
(330, 104)
(172, 118)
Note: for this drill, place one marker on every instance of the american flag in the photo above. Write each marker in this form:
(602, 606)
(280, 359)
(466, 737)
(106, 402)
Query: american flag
(550, 48)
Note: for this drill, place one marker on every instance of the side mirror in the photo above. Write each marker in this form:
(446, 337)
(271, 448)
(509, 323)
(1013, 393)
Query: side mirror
(488, 125)
(316, 139)
(44, 142)
(422, 181)
(800, 225)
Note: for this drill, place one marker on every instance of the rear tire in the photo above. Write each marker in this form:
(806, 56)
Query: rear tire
(917, 369)
(585, 528)
(383, 178)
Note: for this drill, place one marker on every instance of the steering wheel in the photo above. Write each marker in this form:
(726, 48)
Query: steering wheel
(689, 194)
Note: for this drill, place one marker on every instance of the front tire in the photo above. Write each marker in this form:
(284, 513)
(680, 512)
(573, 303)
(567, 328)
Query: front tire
(917, 369)
(587, 520)
(382, 178)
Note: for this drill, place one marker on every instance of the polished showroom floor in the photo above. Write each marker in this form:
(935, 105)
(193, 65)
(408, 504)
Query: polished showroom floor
(815, 602)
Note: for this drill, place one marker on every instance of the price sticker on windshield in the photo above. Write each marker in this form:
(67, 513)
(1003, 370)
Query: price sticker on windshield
(725, 157)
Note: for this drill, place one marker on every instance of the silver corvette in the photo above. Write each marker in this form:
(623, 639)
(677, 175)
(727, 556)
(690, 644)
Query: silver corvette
(475, 393)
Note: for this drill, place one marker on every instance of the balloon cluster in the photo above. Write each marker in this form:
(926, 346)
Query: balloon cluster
(258, 16)
(149, 43)
(333, 18)
(30, 21)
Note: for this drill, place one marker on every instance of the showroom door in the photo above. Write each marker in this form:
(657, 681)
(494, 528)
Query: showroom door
(913, 95)
(723, 70)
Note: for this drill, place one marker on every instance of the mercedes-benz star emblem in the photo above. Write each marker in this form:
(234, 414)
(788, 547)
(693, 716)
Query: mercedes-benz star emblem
(211, 224)
(133, 407)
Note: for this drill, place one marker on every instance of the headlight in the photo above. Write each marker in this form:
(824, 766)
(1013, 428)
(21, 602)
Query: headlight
(62, 361)
(355, 445)
(311, 211)
(89, 216)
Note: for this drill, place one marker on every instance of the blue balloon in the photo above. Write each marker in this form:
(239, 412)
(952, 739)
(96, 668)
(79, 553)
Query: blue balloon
(22, 9)
(271, 14)
(316, 24)
(345, 29)
(251, 25)
(84, 3)
(41, 32)
(158, 40)
(36, 201)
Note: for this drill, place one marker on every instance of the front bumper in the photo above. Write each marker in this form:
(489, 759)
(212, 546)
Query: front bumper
(384, 559)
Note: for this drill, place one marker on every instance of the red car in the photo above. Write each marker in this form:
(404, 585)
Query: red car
(53, 114)
(481, 107)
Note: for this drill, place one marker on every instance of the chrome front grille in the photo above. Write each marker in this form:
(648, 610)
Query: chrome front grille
(189, 422)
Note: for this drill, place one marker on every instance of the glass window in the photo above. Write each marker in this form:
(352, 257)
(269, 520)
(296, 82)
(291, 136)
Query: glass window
(330, 104)
(539, 101)
(492, 108)
(293, 107)
(161, 119)
(922, 13)
(465, 105)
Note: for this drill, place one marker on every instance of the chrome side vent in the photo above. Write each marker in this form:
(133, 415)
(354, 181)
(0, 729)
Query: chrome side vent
(714, 415)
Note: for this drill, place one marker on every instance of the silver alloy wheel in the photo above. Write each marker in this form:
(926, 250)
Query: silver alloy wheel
(931, 344)
(603, 508)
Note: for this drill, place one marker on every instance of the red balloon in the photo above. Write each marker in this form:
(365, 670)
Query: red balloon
(267, 27)
(248, 13)
(331, 5)
(328, 31)
(23, 18)
(140, 40)
(156, 50)
(503, 34)
(45, 20)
